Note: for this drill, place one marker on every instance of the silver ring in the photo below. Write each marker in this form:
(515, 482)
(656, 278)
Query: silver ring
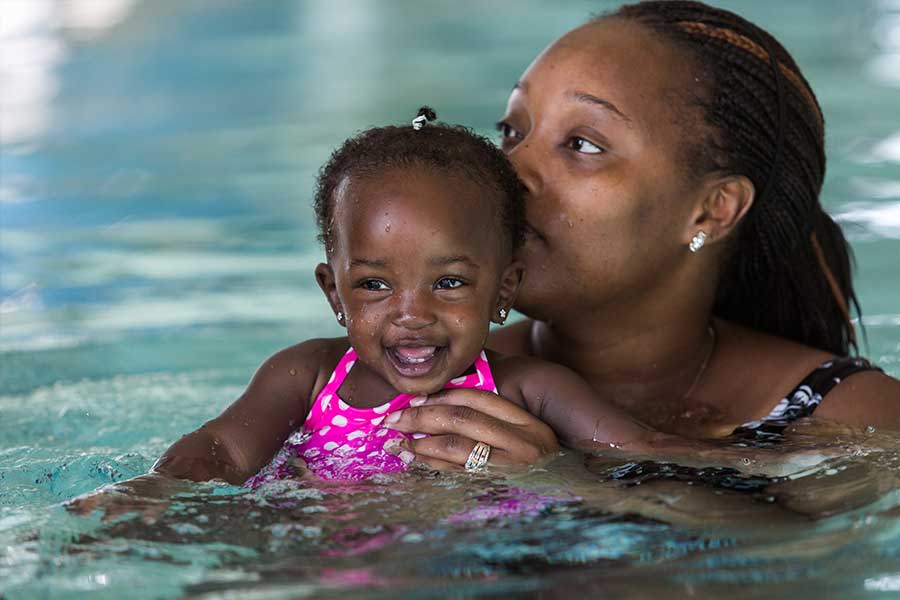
(478, 457)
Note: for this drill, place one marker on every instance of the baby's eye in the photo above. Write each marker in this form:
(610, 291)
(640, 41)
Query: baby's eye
(374, 285)
(448, 283)
(579, 144)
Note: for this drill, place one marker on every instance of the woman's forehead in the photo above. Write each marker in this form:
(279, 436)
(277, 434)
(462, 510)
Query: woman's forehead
(615, 60)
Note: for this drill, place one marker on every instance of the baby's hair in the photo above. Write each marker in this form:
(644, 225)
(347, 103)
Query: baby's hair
(450, 149)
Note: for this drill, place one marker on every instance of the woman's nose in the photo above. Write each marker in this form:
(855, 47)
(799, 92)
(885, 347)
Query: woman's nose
(524, 158)
(413, 311)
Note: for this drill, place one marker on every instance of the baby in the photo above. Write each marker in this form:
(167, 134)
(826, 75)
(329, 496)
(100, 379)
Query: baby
(420, 227)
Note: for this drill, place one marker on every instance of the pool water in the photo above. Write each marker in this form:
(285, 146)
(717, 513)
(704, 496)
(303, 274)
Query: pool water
(157, 243)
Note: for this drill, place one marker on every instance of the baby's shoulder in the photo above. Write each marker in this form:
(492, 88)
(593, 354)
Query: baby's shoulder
(320, 351)
(305, 364)
(514, 370)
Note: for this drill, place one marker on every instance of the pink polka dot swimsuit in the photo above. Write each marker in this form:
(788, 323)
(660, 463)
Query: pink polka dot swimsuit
(341, 442)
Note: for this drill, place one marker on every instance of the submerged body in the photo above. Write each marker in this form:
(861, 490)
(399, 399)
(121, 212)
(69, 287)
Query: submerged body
(344, 442)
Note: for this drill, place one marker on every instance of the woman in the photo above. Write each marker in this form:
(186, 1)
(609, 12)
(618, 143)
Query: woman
(680, 259)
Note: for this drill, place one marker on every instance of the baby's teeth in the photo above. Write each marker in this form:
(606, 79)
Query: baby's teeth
(415, 355)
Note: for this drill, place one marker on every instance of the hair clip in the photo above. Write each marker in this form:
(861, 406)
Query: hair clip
(426, 113)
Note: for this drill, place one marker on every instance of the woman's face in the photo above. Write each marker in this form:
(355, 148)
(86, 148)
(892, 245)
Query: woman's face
(594, 128)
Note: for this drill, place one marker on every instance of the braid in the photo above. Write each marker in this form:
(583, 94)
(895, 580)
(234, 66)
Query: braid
(766, 124)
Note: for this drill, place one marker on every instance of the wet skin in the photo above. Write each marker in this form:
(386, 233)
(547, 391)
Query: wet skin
(593, 138)
(419, 270)
(597, 129)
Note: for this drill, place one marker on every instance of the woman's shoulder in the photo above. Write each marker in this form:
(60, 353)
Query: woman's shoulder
(867, 398)
(782, 362)
(764, 369)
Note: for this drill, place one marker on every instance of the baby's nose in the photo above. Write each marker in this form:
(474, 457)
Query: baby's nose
(414, 311)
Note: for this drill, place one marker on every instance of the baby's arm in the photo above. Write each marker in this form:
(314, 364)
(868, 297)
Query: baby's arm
(243, 439)
(565, 401)
(237, 443)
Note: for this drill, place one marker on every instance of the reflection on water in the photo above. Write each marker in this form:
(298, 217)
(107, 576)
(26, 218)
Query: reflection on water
(157, 243)
(423, 533)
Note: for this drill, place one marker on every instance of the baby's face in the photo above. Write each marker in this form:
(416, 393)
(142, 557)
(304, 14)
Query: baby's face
(420, 267)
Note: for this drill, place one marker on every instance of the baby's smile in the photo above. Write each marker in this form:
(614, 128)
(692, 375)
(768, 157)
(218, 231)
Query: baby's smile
(414, 360)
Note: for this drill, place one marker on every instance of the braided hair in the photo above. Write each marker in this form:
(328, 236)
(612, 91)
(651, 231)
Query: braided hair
(788, 271)
(450, 149)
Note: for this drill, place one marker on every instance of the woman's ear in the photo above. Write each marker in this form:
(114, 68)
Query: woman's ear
(725, 203)
(326, 281)
(510, 282)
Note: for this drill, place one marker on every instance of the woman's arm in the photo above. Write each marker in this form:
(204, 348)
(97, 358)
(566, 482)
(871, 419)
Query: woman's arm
(457, 419)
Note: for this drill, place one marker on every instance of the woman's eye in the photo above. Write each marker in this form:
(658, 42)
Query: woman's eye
(579, 144)
(508, 133)
(374, 285)
(448, 283)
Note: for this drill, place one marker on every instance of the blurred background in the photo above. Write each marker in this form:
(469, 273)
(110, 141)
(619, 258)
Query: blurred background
(158, 157)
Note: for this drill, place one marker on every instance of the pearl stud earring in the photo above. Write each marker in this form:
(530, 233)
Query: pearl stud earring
(697, 241)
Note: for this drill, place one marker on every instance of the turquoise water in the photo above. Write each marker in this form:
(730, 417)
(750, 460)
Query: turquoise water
(157, 243)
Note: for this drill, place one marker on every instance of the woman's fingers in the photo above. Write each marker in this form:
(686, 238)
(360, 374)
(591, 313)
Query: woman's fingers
(457, 419)
(435, 463)
(466, 422)
(441, 452)
(482, 401)
(451, 448)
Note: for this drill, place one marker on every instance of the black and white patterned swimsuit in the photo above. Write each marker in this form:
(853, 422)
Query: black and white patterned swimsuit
(805, 398)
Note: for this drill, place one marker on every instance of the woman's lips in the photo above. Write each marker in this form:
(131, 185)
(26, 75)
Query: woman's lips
(414, 361)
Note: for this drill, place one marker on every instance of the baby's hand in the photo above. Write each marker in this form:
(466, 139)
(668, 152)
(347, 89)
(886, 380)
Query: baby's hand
(147, 495)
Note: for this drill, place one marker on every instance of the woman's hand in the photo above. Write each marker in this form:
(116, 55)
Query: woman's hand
(457, 419)
(148, 495)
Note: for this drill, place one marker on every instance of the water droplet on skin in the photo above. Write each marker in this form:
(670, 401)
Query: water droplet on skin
(746, 461)
(293, 372)
(870, 429)
(387, 228)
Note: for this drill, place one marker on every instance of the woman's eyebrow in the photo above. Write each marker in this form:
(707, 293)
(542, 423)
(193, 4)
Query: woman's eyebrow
(583, 97)
(591, 99)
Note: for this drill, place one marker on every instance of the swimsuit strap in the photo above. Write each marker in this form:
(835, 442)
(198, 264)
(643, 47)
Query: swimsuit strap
(328, 401)
(805, 398)
(482, 378)
(321, 407)
(340, 372)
